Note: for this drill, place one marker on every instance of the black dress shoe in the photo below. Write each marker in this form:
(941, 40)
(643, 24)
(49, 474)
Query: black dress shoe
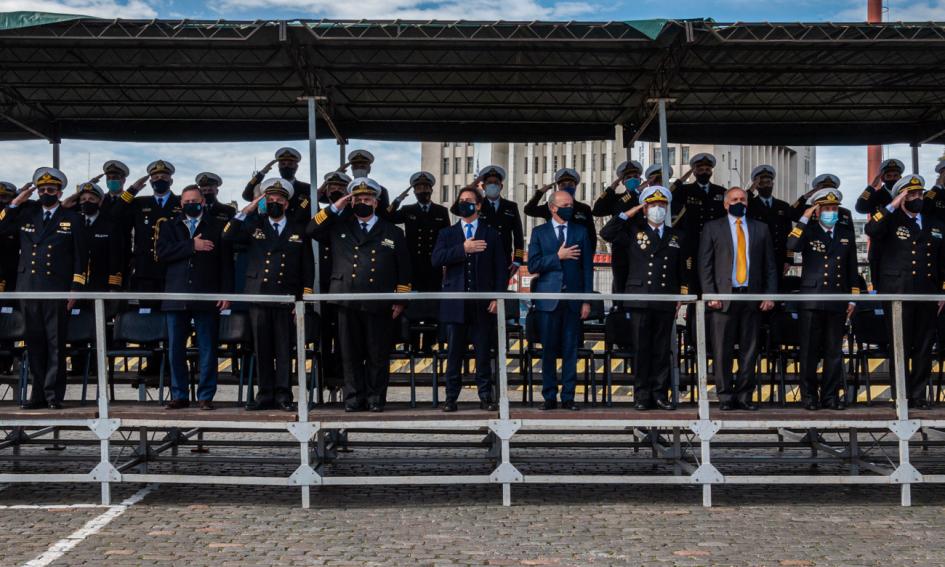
(32, 405)
(450, 407)
(665, 405)
(641, 406)
(748, 405)
(549, 405)
(55, 405)
(259, 406)
(177, 404)
(286, 406)
(377, 408)
(812, 405)
(570, 405)
(488, 405)
(726, 406)
(835, 404)
(920, 404)
(206, 405)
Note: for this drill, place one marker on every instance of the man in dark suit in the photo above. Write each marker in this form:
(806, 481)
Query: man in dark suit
(287, 160)
(53, 257)
(657, 264)
(773, 212)
(830, 266)
(911, 247)
(471, 256)
(565, 179)
(501, 214)
(562, 260)
(422, 222)
(736, 255)
(198, 260)
(280, 262)
(369, 255)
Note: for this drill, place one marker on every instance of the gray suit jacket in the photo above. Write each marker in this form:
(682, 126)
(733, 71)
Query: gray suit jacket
(717, 256)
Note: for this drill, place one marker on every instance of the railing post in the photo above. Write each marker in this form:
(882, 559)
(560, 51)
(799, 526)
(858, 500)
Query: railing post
(505, 437)
(303, 392)
(705, 435)
(904, 472)
(102, 390)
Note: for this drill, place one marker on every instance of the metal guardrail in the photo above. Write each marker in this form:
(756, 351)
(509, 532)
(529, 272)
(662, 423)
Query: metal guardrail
(504, 427)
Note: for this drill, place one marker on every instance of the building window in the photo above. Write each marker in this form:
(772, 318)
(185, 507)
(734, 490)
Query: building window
(469, 164)
(446, 166)
(445, 193)
(446, 144)
(685, 155)
(583, 162)
(806, 167)
(536, 170)
(555, 162)
(544, 161)
(603, 162)
(525, 169)
(458, 166)
(657, 155)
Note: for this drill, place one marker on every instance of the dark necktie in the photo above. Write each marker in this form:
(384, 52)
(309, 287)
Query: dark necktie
(46, 216)
(88, 223)
(829, 235)
(560, 234)
(364, 227)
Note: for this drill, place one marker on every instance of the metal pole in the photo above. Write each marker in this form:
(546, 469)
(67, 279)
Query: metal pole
(505, 448)
(664, 150)
(341, 154)
(102, 390)
(915, 159)
(902, 406)
(313, 176)
(703, 378)
(303, 390)
(55, 154)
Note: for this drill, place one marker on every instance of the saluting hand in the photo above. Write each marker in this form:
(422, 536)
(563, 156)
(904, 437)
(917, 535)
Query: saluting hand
(252, 205)
(70, 201)
(24, 195)
(138, 185)
(545, 188)
(268, 167)
(201, 245)
(97, 178)
(877, 181)
(810, 211)
(342, 202)
(897, 201)
(396, 309)
(632, 212)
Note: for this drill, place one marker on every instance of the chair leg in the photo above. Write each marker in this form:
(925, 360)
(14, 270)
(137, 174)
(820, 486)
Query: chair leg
(413, 382)
(161, 374)
(85, 377)
(239, 388)
(250, 393)
(24, 377)
(111, 379)
(608, 379)
(435, 367)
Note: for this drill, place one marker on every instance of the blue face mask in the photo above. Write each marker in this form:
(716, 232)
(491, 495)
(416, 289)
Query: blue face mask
(569, 189)
(114, 185)
(566, 213)
(829, 218)
(632, 183)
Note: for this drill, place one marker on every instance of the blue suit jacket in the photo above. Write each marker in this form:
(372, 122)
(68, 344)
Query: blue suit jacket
(489, 269)
(554, 275)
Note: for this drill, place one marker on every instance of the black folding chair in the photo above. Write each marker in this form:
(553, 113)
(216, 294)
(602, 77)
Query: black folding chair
(80, 341)
(12, 332)
(138, 334)
(592, 329)
(871, 340)
(617, 346)
(235, 342)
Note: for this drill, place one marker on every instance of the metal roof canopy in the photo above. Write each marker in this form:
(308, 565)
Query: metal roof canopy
(745, 83)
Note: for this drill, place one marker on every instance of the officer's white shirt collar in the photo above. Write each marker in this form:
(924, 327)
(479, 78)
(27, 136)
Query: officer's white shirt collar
(733, 227)
(370, 222)
(91, 219)
(658, 228)
(494, 203)
(51, 211)
(275, 224)
(704, 187)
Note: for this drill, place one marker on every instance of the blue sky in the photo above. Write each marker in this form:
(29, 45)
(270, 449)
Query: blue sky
(396, 161)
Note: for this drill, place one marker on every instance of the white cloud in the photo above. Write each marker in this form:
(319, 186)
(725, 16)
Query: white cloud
(418, 9)
(99, 8)
(234, 162)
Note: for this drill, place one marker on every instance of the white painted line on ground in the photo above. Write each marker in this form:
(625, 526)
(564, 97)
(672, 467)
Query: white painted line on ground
(93, 526)
(51, 506)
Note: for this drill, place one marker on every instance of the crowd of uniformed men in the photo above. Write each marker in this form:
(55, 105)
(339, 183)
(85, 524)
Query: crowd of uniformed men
(685, 237)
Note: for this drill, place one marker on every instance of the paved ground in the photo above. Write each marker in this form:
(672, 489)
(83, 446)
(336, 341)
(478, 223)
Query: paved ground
(194, 525)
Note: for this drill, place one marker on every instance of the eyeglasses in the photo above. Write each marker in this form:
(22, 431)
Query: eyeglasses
(48, 189)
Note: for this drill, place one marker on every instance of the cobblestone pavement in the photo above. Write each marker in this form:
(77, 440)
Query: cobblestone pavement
(570, 525)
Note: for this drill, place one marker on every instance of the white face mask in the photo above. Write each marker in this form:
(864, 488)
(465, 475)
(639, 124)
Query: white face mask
(360, 172)
(656, 215)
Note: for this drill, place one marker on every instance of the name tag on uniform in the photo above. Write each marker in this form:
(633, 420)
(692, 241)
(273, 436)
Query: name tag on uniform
(936, 233)
(388, 242)
(844, 241)
(144, 311)
(101, 235)
(76, 311)
(6, 310)
(226, 312)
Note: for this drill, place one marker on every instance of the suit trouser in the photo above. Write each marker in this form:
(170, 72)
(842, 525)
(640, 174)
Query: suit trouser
(46, 349)
(821, 337)
(479, 329)
(274, 337)
(560, 332)
(918, 334)
(365, 354)
(740, 324)
(207, 327)
(651, 331)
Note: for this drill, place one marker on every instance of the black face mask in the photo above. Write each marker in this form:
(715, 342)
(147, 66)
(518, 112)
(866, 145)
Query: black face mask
(737, 210)
(287, 172)
(48, 200)
(192, 210)
(765, 191)
(210, 198)
(89, 208)
(703, 178)
(466, 209)
(423, 198)
(275, 210)
(335, 196)
(362, 210)
(161, 186)
(914, 206)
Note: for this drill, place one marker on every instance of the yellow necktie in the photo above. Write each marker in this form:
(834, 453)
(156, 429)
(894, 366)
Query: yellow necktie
(741, 258)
